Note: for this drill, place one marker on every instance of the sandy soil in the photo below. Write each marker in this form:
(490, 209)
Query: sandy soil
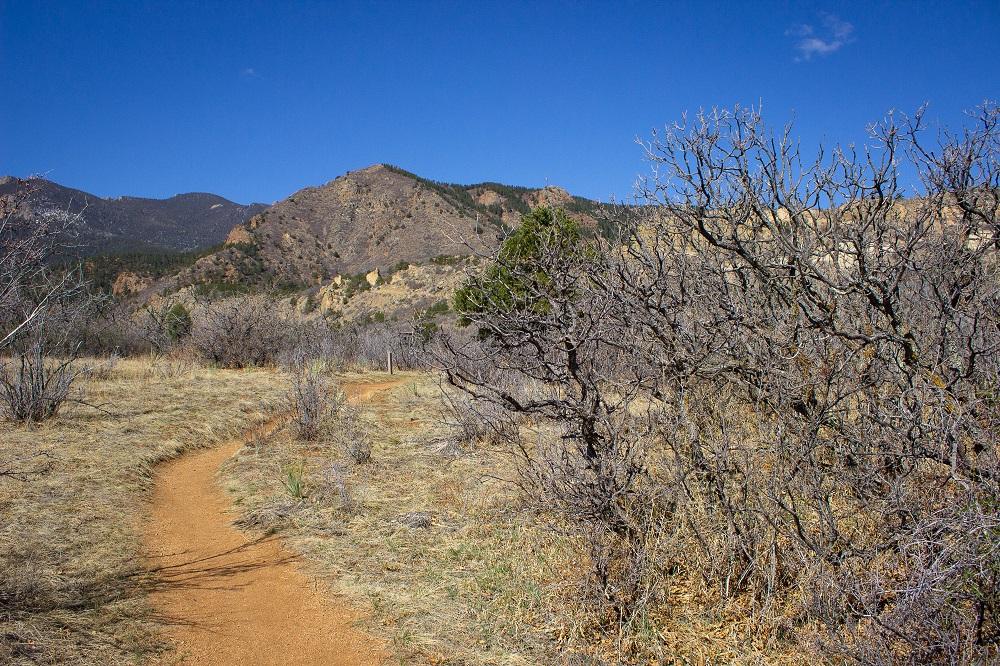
(227, 598)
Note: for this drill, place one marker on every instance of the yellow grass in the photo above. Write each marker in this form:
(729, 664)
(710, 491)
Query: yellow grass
(485, 583)
(71, 584)
(461, 591)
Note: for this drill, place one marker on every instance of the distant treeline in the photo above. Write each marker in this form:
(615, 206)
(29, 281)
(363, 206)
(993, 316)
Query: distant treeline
(101, 270)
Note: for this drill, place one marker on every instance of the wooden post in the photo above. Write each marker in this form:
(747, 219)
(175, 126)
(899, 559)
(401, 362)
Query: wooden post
(388, 359)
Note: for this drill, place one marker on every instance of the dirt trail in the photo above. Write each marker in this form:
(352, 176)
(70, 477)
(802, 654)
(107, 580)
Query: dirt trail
(229, 599)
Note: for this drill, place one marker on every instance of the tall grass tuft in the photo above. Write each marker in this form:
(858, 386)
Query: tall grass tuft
(294, 480)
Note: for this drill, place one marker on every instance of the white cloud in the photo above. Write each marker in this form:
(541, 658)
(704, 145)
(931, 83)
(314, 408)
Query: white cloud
(248, 73)
(809, 42)
(799, 30)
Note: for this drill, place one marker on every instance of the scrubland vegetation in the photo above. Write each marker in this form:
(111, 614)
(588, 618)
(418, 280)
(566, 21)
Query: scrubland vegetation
(773, 393)
(753, 421)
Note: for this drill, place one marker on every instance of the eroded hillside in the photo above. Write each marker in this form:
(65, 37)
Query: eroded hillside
(370, 219)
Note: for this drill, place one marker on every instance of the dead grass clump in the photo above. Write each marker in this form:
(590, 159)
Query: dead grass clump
(336, 486)
(269, 518)
(354, 436)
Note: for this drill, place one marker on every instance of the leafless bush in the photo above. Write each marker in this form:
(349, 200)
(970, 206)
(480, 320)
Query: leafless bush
(858, 331)
(354, 435)
(158, 327)
(310, 339)
(31, 279)
(237, 332)
(33, 387)
(336, 479)
(364, 347)
(473, 422)
(354, 346)
(315, 398)
(38, 295)
(782, 378)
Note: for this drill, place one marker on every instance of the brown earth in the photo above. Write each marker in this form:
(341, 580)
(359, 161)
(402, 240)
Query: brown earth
(227, 597)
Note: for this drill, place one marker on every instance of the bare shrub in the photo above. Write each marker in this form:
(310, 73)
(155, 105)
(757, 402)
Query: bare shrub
(354, 435)
(473, 422)
(336, 479)
(353, 347)
(855, 334)
(364, 347)
(37, 294)
(780, 381)
(309, 339)
(315, 398)
(161, 325)
(33, 387)
(31, 279)
(238, 332)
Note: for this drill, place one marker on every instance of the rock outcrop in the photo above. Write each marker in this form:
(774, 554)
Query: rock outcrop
(127, 283)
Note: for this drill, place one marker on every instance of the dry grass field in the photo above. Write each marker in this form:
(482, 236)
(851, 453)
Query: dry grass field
(421, 537)
(432, 544)
(72, 587)
(461, 589)
(426, 540)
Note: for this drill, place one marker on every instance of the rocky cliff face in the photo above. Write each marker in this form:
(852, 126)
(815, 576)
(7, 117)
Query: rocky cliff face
(127, 283)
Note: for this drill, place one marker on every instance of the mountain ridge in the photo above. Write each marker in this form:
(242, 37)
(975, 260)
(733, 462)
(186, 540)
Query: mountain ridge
(373, 218)
(182, 223)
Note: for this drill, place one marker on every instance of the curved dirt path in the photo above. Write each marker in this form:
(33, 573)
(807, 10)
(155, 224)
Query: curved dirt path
(227, 598)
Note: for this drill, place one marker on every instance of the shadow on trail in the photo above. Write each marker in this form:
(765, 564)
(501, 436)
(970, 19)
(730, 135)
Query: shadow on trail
(216, 571)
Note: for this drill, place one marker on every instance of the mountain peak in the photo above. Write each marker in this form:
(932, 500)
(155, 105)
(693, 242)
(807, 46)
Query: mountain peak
(373, 218)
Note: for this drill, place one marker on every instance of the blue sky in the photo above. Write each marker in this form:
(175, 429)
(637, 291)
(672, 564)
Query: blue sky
(256, 100)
